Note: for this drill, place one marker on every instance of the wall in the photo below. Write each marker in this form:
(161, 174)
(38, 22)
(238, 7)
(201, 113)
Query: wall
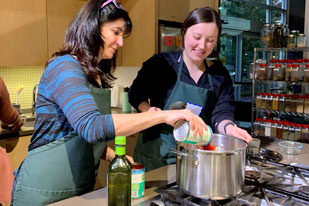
(21, 75)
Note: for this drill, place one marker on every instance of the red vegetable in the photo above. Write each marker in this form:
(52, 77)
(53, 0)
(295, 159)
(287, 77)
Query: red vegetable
(208, 147)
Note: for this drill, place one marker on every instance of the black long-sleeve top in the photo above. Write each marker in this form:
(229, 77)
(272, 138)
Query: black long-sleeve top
(158, 75)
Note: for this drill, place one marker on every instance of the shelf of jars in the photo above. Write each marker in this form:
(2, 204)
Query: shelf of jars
(280, 94)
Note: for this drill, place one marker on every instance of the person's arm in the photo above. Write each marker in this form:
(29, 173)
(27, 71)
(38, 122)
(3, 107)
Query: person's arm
(230, 128)
(8, 114)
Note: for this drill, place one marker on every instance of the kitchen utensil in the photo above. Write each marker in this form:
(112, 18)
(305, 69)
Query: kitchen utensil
(177, 105)
(18, 91)
(218, 175)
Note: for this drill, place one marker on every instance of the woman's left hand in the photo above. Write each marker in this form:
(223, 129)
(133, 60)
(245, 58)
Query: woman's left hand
(238, 132)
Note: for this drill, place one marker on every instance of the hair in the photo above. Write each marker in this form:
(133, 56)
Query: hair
(200, 15)
(83, 39)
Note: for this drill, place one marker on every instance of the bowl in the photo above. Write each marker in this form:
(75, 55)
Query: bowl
(290, 147)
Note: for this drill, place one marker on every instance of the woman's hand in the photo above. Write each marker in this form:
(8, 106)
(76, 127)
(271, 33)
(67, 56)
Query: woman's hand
(109, 155)
(196, 123)
(234, 131)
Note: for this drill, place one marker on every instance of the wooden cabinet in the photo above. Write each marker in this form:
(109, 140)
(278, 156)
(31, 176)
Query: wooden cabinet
(16, 149)
(23, 34)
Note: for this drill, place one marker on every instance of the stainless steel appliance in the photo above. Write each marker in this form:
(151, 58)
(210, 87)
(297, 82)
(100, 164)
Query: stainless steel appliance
(266, 183)
(169, 36)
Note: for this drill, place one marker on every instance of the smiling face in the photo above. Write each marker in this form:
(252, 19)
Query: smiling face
(112, 35)
(199, 41)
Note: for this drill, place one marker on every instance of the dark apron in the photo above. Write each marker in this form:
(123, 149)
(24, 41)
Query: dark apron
(64, 168)
(152, 147)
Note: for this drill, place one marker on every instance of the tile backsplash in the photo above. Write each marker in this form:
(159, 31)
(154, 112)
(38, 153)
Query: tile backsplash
(28, 76)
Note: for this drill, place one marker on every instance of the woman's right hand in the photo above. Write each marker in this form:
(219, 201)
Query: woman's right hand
(196, 123)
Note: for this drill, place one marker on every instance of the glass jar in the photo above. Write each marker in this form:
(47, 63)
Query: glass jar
(269, 101)
(287, 105)
(262, 126)
(279, 130)
(262, 71)
(275, 102)
(267, 128)
(291, 41)
(305, 133)
(277, 35)
(293, 99)
(306, 104)
(306, 73)
(300, 103)
(295, 33)
(273, 130)
(301, 40)
(278, 73)
(297, 132)
(256, 127)
(291, 131)
(281, 105)
(288, 71)
(296, 73)
(264, 101)
(286, 131)
(258, 101)
(266, 37)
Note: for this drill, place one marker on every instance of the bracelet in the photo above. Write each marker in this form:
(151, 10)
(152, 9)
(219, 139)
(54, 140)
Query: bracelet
(227, 124)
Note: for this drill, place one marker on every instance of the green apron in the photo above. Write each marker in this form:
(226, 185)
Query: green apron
(153, 145)
(63, 168)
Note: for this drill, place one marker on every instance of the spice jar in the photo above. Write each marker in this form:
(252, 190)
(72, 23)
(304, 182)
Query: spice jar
(264, 101)
(278, 35)
(262, 126)
(301, 40)
(278, 73)
(279, 130)
(305, 133)
(258, 101)
(306, 73)
(266, 36)
(296, 73)
(256, 126)
(306, 104)
(281, 105)
(291, 41)
(286, 131)
(267, 128)
(273, 130)
(288, 71)
(287, 105)
(275, 102)
(297, 132)
(300, 103)
(291, 131)
(262, 71)
(269, 101)
(293, 99)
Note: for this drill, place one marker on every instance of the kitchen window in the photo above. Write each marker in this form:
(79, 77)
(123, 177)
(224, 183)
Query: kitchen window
(242, 23)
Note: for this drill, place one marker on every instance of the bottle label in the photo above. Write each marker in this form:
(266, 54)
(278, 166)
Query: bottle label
(182, 132)
(138, 181)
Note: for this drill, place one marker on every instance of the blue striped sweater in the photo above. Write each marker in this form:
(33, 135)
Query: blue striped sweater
(64, 104)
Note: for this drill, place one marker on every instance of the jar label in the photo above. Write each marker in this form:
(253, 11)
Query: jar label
(138, 183)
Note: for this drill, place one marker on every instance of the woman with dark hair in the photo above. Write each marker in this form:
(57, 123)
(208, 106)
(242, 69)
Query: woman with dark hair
(73, 110)
(188, 76)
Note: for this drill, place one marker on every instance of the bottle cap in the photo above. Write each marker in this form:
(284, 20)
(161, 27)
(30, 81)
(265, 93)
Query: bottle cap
(120, 140)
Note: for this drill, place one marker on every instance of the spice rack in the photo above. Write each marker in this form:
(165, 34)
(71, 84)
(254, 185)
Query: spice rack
(280, 93)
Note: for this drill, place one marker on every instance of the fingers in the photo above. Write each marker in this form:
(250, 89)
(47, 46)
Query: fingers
(241, 134)
(130, 158)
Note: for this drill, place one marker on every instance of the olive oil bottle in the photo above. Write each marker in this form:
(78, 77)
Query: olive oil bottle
(119, 176)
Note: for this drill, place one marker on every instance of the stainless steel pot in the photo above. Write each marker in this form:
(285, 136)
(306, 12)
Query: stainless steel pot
(212, 175)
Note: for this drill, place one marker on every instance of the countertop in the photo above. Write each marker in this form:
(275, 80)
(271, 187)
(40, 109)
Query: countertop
(166, 175)
(153, 179)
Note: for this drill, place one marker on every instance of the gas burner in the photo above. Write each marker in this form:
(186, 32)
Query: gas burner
(304, 190)
(266, 155)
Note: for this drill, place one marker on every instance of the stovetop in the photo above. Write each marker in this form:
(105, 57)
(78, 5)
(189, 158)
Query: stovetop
(266, 183)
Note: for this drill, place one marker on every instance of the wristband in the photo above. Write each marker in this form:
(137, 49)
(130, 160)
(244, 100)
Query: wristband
(227, 124)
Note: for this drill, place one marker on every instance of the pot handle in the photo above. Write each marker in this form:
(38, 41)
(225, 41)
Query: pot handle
(196, 161)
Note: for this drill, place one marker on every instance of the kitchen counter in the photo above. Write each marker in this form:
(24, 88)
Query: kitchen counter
(166, 175)
(154, 179)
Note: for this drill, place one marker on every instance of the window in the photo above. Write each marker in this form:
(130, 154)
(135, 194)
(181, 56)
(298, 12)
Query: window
(242, 23)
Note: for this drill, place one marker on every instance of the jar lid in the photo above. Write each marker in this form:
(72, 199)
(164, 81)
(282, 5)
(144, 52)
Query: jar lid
(278, 65)
(302, 35)
(291, 35)
(263, 65)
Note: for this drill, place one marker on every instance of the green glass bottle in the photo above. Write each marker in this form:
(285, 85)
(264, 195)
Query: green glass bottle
(119, 176)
